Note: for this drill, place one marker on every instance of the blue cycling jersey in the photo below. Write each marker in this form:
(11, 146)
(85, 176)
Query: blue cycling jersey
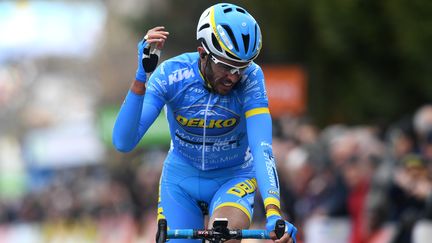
(208, 130)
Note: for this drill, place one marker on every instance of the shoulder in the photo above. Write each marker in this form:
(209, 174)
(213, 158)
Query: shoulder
(174, 74)
(254, 71)
(179, 67)
(252, 89)
(252, 77)
(181, 61)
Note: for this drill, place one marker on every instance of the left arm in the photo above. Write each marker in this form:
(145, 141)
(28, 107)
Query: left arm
(259, 129)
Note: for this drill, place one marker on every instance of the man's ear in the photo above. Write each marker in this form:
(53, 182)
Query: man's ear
(201, 52)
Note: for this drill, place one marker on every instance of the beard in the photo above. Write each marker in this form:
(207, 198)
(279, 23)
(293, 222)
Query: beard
(217, 84)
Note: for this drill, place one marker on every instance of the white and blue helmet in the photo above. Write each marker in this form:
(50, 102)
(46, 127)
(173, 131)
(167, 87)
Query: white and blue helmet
(229, 31)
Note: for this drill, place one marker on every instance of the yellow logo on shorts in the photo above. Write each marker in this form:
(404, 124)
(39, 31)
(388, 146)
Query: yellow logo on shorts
(243, 188)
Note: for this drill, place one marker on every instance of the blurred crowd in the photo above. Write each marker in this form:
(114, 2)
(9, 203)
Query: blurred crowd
(341, 183)
(358, 183)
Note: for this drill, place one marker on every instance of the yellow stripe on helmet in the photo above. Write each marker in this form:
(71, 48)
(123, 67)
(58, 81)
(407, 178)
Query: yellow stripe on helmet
(214, 27)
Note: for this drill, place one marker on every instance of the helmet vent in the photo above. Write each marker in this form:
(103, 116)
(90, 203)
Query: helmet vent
(216, 43)
(231, 35)
(204, 26)
(203, 42)
(232, 56)
(246, 42)
(241, 10)
(227, 10)
(255, 42)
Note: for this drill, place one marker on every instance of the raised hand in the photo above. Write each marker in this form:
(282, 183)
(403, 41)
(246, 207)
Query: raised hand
(149, 51)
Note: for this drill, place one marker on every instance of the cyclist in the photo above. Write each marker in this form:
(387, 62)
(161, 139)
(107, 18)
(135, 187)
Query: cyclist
(217, 109)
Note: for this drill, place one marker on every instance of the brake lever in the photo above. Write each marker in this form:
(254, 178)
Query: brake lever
(161, 235)
(280, 228)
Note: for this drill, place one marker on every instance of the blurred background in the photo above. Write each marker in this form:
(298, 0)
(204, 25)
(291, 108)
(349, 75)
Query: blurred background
(350, 92)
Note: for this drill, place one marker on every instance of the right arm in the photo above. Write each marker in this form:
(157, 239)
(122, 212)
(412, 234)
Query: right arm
(133, 120)
(136, 113)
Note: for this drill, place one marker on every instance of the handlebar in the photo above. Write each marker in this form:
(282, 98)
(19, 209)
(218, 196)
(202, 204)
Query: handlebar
(216, 235)
(210, 234)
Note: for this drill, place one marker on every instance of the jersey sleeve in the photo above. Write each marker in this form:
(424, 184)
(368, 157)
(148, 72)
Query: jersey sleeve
(259, 129)
(138, 112)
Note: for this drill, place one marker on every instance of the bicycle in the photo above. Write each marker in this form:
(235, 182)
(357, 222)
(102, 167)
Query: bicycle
(218, 234)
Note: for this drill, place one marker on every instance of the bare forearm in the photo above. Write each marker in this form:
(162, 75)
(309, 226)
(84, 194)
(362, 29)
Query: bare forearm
(138, 87)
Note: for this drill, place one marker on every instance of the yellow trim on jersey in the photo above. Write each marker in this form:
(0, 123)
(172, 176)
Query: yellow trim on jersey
(160, 214)
(202, 76)
(159, 190)
(207, 83)
(257, 111)
(236, 205)
(271, 200)
(213, 25)
(272, 212)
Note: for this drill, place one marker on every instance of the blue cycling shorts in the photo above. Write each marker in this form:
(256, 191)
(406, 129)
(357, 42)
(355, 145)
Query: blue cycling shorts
(183, 188)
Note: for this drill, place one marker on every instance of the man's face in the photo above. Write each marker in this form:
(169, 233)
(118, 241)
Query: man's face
(222, 74)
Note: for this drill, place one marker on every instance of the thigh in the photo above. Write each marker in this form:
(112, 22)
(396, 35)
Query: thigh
(179, 209)
(234, 200)
(177, 206)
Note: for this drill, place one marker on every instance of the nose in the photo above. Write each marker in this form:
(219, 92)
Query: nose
(233, 78)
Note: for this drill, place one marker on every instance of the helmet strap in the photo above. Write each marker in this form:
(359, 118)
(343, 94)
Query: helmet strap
(207, 83)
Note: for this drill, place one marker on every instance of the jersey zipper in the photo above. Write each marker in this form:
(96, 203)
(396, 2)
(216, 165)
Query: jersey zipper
(204, 133)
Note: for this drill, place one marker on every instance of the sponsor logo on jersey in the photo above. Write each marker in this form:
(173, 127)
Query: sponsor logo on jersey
(180, 74)
(196, 90)
(273, 192)
(216, 120)
(271, 170)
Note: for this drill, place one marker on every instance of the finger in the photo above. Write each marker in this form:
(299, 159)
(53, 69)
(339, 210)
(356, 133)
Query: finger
(285, 239)
(156, 36)
(165, 33)
(159, 32)
(155, 41)
(157, 28)
(273, 235)
(159, 43)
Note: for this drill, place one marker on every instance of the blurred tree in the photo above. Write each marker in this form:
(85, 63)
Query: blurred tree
(367, 61)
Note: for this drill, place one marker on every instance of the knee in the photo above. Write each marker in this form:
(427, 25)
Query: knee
(237, 219)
